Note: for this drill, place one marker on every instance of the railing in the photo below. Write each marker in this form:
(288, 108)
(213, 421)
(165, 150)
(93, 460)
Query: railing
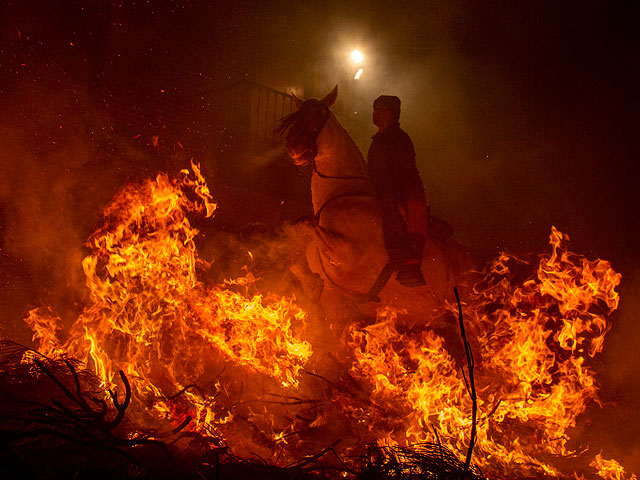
(254, 110)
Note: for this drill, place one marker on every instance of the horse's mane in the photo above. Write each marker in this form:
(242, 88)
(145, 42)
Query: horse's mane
(289, 120)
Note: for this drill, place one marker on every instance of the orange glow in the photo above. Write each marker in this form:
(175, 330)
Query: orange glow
(151, 317)
(533, 326)
(532, 341)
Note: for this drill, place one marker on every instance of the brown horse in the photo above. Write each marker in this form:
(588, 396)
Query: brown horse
(346, 247)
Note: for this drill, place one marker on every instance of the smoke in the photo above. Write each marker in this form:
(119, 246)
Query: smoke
(39, 230)
(60, 163)
(614, 428)
(516, 125)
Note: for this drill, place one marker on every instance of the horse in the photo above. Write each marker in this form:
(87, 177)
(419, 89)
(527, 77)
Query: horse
(345, 240)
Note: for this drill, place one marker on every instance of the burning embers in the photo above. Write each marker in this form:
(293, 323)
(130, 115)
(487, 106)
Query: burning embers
(229, 360)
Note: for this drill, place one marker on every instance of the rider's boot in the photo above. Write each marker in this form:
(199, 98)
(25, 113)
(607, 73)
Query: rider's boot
(409, 269)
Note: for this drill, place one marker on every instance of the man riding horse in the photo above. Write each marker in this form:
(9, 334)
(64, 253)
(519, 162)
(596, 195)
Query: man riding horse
(347, 246)
(397, 184)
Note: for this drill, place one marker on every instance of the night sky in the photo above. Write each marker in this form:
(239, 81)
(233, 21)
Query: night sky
(524, 115)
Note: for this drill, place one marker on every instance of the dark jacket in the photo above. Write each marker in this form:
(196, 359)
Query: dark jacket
(392, 166)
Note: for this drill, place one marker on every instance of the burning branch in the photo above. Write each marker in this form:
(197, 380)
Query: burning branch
(469, 382)
(98, 417)
(312, 458)
(83, 418)
(86, 417)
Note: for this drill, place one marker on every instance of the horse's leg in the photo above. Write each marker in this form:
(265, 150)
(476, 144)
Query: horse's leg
(315, 238)
(310, 282)
(299, 236)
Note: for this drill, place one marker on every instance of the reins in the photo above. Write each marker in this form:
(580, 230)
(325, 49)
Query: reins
(336, 177)
(338, 197)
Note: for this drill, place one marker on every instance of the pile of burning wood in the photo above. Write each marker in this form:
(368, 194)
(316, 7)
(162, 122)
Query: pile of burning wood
(58, 422)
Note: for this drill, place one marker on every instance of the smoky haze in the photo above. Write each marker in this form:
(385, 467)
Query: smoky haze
(522, 117)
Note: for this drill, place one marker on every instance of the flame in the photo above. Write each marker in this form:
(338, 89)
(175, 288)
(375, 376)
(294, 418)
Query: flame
(609, 469)
(533, 336)
(150, 316)
(45, 326)
(534, 327)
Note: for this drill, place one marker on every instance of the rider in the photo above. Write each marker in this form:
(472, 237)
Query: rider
(396, 181)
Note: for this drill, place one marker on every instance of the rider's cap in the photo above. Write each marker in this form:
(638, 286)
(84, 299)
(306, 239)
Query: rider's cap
(390, 102)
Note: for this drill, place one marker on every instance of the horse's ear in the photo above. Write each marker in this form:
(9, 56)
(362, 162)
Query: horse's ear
(297, 101)
(331, 98)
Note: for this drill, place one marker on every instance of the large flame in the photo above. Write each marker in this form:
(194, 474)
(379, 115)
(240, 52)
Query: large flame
(533, 337)
(151, 317)
(534, 328)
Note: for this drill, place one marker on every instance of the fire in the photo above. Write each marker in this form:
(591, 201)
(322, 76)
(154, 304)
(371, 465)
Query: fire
(534, 327)
(46, 326)
(533, 334)
(151, 317)
(609, 469)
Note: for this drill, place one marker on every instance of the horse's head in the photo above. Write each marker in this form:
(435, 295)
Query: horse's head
(303, 127)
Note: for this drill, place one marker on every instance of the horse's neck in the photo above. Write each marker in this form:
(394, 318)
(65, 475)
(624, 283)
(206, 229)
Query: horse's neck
(338, 156)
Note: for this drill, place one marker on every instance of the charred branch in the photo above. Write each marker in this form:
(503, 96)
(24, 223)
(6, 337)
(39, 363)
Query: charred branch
(470, 384)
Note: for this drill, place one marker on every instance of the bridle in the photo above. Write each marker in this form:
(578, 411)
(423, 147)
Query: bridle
(290, 121)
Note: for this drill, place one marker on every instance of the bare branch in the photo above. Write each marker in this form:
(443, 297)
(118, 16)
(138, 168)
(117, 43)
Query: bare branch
(470, 384)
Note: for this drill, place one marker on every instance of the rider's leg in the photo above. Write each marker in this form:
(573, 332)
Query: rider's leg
(394, 230)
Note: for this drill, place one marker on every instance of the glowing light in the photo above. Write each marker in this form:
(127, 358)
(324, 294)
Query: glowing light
(358, 74)
(357, 56)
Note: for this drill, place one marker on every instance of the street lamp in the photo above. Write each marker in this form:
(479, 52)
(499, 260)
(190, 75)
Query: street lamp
(358, 58)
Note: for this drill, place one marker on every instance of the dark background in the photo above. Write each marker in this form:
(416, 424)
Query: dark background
(523, 114)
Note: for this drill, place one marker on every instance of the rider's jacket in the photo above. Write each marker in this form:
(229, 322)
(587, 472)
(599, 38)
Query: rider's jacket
(391, 162)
